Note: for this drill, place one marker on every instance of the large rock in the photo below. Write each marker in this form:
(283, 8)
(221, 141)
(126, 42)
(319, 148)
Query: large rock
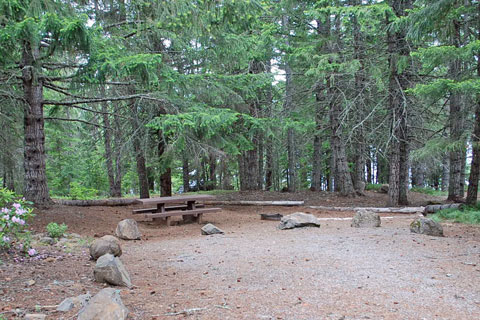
(110, 269)
(105, 305)
(70, 303)
(426, 226)
(104, 245)
(366, 219)
(128, 230)
(209, 229)
(298, 220)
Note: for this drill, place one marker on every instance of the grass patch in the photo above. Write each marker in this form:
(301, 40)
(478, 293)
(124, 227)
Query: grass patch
(429, 191)
(373, 186)
(468, 215)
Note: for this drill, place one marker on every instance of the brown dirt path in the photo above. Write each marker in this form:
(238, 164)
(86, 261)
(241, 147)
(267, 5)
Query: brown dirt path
(255, 271)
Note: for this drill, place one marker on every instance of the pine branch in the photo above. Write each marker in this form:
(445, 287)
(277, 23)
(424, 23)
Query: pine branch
(78, 120)
(93, 100)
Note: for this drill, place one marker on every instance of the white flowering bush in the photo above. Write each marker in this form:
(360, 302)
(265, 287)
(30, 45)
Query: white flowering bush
(14, 215)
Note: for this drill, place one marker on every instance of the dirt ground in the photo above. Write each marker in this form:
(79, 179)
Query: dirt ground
(256, 271)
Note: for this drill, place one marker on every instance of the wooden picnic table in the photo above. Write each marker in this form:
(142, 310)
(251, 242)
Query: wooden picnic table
(186, 206)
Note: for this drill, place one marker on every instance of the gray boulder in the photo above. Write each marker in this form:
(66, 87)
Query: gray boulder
(70, 303)
(105, 305)
(298, 220)
(128, 230)
(383, 188)
(209, 229)
(47, 240)
(104, 245)
(110, 269)
(365, 219)
(426, 226)
(35, 316)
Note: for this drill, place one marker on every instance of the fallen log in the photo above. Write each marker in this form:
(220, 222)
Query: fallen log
(407, 210)
(256, 203)
(430, 209)
(97, 202)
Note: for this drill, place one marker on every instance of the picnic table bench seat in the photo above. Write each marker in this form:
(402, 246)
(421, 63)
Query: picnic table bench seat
(195, 213)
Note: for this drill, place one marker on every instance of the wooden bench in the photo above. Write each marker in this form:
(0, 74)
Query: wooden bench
(170, 208)
(196, 214)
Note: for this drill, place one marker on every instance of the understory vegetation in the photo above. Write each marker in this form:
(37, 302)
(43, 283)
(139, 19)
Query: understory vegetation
(467, 214)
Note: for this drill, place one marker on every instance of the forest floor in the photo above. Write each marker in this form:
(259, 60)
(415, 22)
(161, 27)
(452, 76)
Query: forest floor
(256, 271)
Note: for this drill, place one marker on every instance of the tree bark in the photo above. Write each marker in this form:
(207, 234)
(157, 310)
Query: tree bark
(445, 172)
(456, 123)
(166, 171)
(36, 188)
(472, 192)
(185, 175)
(139, 152)
(398, 103)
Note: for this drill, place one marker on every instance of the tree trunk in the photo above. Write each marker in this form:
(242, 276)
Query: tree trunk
(107, 139)
(36, 188)
(185, 175)
(369, 170)
(288, 107)
(398, 49)
(212, 166)
(269, 167)
(472, 192)
(166, 171)
(261, 150)
(456, 123)
(359, 54)
(445, 172)
(343, 179)
(139, 153)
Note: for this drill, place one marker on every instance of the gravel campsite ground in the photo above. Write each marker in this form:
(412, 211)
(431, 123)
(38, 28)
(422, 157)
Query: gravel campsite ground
(255, 271)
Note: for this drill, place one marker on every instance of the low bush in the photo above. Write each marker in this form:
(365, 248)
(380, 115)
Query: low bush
(467, 214)
(55, 230)
(373, 186)
(429, 191)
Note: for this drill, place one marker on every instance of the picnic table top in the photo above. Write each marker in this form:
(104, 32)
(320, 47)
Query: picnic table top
(175, 199)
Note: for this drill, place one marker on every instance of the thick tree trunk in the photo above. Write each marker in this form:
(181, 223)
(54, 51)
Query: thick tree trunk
(36, 188)
(472, 192)
(317, 163)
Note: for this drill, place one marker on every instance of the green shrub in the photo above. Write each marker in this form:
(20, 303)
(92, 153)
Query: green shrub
(373, 186)
(429, 191)
(55, 230)
(79, 192)
(468, 215)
